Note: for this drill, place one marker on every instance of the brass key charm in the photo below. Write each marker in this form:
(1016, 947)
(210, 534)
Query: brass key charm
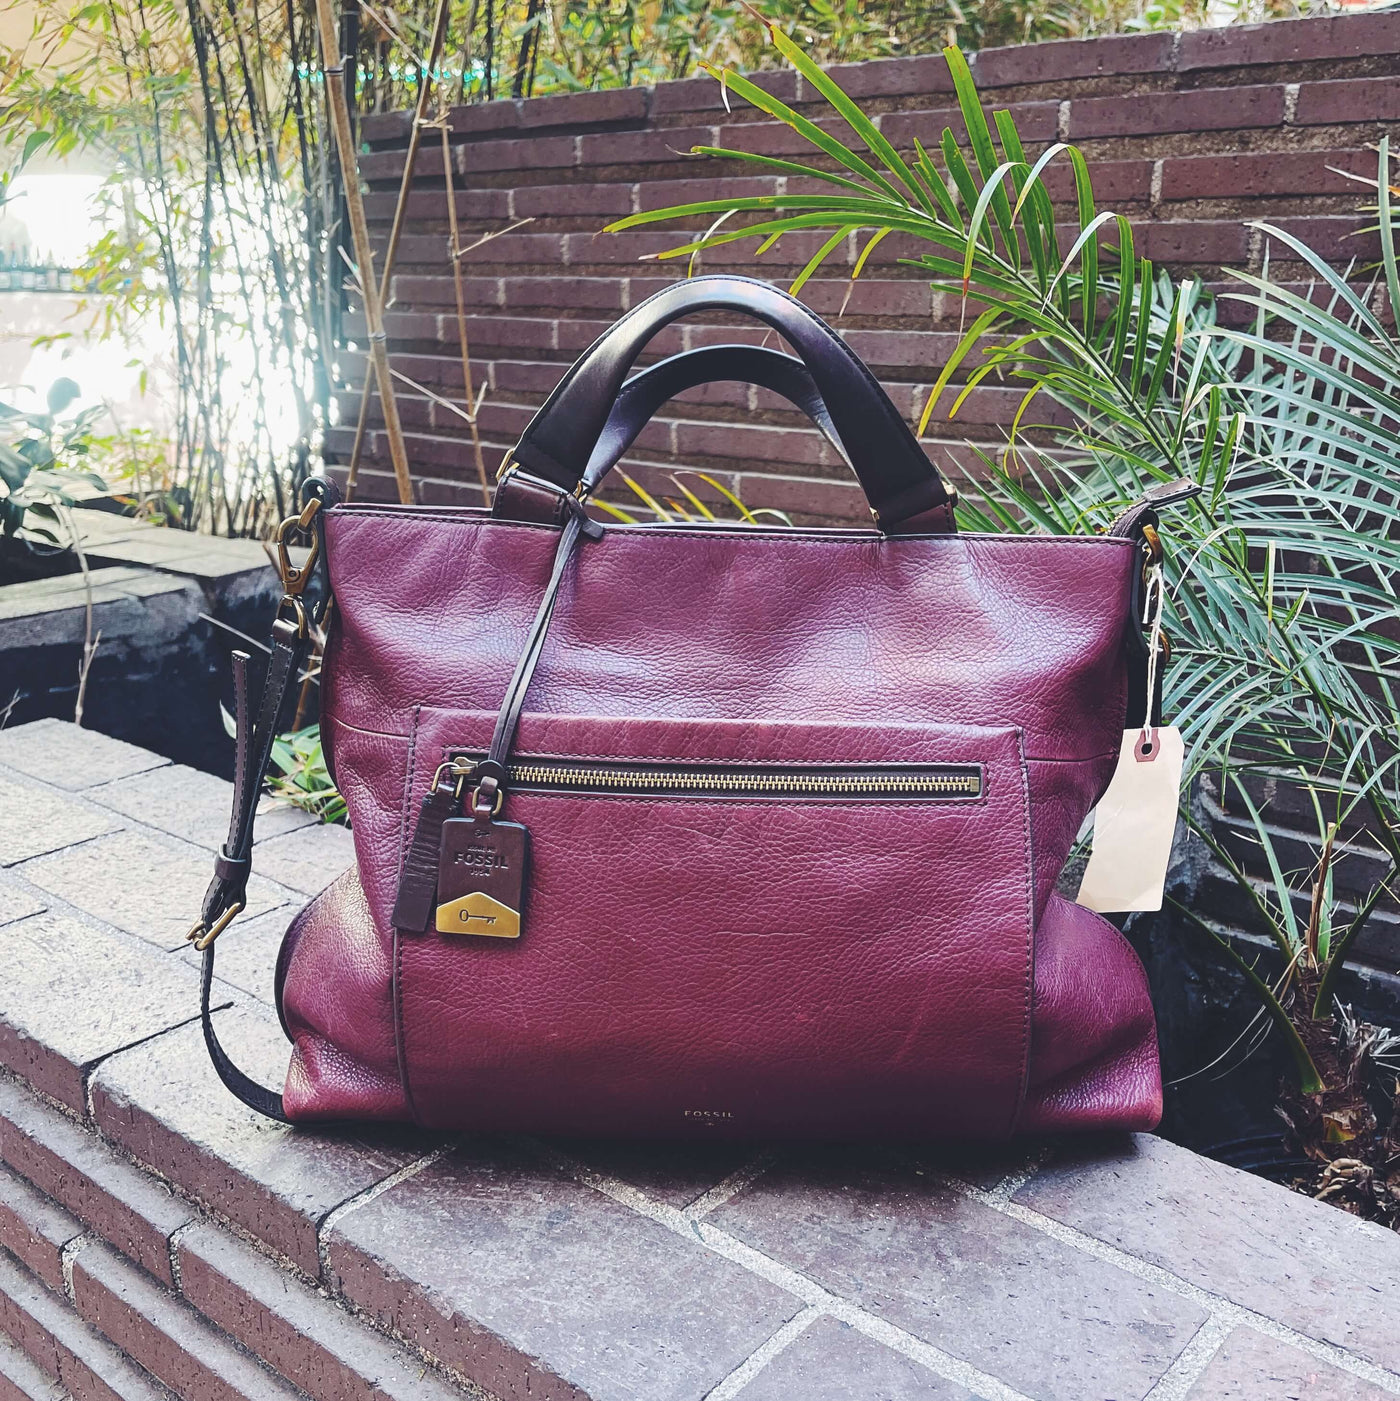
(481, 877)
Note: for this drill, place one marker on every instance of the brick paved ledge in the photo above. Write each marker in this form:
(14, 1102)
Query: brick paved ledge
(160, 1240)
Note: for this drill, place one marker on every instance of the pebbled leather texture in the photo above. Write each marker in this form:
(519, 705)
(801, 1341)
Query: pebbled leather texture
(730, 967)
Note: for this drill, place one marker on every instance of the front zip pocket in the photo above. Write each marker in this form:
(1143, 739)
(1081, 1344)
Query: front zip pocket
(851, 782)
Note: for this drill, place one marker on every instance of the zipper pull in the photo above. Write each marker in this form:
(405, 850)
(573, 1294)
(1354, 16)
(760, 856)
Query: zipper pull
(482, 865)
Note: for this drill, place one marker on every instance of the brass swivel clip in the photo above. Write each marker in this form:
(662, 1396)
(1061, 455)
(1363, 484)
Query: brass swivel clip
(295, 577)
(201, 937)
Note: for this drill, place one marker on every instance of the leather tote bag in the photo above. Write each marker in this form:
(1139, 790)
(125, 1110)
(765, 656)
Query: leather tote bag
(705, 830)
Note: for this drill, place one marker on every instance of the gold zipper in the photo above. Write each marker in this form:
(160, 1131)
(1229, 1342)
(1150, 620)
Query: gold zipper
(853, 781)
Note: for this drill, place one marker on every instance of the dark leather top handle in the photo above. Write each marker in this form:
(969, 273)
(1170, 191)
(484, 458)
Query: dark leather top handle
(644, 393)
(905, 493)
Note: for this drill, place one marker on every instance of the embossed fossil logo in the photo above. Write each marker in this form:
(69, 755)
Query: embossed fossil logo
(481, 858)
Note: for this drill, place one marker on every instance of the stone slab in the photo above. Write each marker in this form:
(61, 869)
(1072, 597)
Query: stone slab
(1053, 1322)
(50, 1332)
(247, 953)
(829, 1359)
(164, 1335)
(147, 884)
(127, 1207)
(675, 1174)
(191, 805)
(16, 902)
(306, 860)
(164, 1104)
(33, 1229)
(313, 1342)
(536, 1287)
(69, 756)
(1251, 1367)
(35, 820)
(72, 992)
(1283, 1255)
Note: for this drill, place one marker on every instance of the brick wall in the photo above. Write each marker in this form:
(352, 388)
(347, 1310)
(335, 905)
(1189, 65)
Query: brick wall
(1193, 135)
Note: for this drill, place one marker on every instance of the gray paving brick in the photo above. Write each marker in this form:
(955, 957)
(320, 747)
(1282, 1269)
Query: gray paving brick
(165, 1336)
(307, 860)
(33, 1229)
(72, 992)
(536, 1287)
(126, 1206)
(830, 1361)
(23, 1380)
(1052, 1321)
(1290, 1258)
(71, 756)
(151, 886)
(192, 805)
(35, 820)
(49, 1331)
(16, 902)
(164, 1104)
(315, 1343)
(247, 953)
(1251, 1367)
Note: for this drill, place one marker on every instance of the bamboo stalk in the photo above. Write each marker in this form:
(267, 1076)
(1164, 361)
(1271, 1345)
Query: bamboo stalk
(334, 75)
(457, 251)
(391, 253)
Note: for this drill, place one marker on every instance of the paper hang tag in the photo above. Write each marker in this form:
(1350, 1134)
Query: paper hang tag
(1134, 824)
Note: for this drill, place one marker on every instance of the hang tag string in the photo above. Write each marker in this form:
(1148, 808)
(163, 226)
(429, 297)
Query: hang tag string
(1153, 602)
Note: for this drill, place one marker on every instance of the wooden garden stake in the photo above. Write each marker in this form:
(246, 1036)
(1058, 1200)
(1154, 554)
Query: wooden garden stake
(334, 75)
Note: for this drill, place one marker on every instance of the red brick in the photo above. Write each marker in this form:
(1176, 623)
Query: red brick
(165, 1336)
(1114, 182)
(1263, 174)
(485, 118)
(820, 1365)
(162, 1103)
(432, 205)
(385, 127)
(667, 144)
(1348, 100)
(924, 348)
(1210, 109)
(388, 165)
(54, 962)
(565, 293)
(703, 94)
(1198, 241)
(888, 77)
(774, 138)
(68, 1163)
(1251, 1365)
(583, 250)
(34, 1230)
(959, 1275)
(660, 194)
(1107, 56)
(48, 1329)
(546, 249)
(630, 1309)
(308, 1339)
(1337, 238)
(1035, 122)
(531, 377)
(751, 442)
(532, 153)
(839, 500)
(1290, 41)
(416, 289)
(566, 201)
(1253, 1246)
(585, 108)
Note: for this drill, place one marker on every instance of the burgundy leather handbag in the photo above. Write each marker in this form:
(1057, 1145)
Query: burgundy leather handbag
(713, 829)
